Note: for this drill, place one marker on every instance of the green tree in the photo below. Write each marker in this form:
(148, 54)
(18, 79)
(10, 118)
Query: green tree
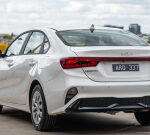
(8, 37)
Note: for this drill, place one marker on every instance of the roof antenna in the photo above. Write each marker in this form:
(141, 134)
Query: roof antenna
(92, 28)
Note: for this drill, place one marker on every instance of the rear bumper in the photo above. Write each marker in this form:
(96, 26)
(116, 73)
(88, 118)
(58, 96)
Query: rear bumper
(109, 104)
(87, 89)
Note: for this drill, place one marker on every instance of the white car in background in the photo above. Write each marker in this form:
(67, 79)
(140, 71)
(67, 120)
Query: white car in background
(48, 72)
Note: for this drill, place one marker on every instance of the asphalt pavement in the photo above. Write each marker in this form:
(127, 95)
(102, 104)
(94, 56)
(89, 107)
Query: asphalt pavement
(15, 122)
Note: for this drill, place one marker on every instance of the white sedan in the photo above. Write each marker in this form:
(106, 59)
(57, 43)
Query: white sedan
(48, 72)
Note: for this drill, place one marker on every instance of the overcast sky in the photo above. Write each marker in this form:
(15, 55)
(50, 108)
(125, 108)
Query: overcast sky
(20, 15)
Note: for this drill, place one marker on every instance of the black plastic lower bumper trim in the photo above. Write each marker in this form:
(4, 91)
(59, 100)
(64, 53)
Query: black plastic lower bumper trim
(109, 104)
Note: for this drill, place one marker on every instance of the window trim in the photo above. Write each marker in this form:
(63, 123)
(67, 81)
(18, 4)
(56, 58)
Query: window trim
(26, 41)
(42, 48)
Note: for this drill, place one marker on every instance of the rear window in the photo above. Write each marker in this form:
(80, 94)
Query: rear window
(100, 38)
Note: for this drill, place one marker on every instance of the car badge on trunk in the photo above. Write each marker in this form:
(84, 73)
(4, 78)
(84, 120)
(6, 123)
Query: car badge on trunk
(126, 53)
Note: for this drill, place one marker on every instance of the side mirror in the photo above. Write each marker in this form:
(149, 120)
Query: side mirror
(2, 55)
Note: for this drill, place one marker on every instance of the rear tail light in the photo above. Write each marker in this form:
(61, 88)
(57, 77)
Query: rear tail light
(75, 62)
(78, 62)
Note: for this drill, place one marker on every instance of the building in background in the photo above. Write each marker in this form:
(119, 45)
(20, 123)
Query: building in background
(135, 28)
(114, 26)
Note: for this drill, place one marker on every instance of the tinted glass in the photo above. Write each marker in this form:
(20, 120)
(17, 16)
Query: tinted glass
(35, 43)
(100, 38)
(16, 46)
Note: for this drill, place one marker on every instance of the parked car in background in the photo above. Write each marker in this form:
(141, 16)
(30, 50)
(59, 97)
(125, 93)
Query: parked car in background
(48, 72)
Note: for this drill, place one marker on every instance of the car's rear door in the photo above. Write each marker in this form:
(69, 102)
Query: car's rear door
(32, 52)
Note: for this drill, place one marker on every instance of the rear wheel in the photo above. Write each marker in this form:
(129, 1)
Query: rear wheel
(39, 115)
(143, 118)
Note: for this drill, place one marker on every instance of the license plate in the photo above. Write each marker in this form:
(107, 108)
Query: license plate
(125, 67)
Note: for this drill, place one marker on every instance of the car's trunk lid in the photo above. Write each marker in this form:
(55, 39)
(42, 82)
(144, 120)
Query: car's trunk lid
(112, 70)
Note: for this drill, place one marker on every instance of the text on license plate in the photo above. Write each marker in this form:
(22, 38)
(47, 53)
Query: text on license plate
(125, 67)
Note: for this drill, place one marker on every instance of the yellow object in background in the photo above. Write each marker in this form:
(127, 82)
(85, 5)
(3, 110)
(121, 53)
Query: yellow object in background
(3, 47)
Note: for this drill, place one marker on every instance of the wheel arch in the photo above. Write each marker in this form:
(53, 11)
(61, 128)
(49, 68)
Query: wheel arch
(33, 84)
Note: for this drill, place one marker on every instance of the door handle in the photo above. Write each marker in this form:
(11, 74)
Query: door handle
(10, 64)
(32, 63)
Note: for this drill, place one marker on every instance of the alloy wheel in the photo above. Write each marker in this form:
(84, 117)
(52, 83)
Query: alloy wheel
(37, 107)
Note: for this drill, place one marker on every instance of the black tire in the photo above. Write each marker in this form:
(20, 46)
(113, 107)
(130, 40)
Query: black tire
(143, 118)
(1, 108)
(47, 123)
